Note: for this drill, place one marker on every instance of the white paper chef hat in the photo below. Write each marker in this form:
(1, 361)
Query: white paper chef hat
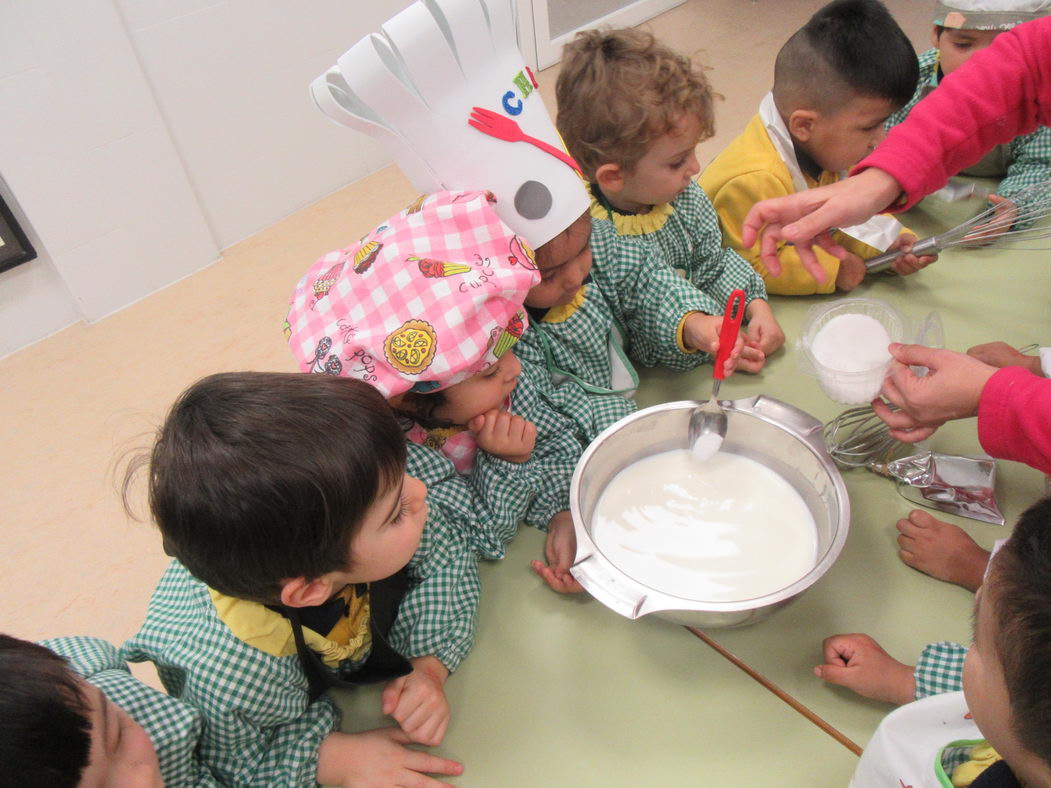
(988, 14)
(417, 83)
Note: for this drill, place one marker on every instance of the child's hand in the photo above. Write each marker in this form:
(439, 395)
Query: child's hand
(379, 759)
(504, 435)
(851, 272)
(858, 663)
(560, 549)
(1000, 354)
(418, 703)
(1004, 218)
(941, 550)
(909, 263)
(701, 332)
(763, 329)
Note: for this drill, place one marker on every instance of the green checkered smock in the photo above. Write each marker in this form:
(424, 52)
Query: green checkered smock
(498, 495)
(260, 727)
(174, 727)
(633, 294)
(940, 669)
(691, 241)
(1029, 154)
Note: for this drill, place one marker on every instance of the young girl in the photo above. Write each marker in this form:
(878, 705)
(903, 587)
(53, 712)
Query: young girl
(427, 308)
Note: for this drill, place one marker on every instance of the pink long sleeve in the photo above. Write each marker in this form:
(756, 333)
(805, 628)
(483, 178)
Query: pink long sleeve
(1000, 93)
(1014, 417)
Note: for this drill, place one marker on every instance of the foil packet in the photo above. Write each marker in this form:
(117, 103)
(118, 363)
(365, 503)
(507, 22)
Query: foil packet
(964, 485)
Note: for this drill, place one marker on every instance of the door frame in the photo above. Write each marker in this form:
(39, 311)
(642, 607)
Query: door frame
(532, 20)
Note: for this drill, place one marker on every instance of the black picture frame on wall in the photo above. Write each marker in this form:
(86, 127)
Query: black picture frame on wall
(14, 246)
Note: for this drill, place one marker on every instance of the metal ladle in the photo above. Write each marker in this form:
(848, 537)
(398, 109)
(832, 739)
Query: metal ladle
(708, 422)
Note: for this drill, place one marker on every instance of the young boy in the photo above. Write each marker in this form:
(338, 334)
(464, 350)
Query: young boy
(961, 28)
(632, 112)
(997, 731)
(305, 558)
(836, 81)
(73, 715)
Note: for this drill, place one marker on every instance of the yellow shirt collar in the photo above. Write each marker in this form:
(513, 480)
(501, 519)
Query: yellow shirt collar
(631, 223)
(270, 632)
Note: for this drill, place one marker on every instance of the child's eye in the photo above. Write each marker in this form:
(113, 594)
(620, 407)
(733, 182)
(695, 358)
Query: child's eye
(677, 164)
(404, 510)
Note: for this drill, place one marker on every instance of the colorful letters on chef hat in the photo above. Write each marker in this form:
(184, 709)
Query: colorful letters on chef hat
(444, 88)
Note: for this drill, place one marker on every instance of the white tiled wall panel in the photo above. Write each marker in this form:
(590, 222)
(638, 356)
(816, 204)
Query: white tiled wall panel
(141, 137)
(231, 80)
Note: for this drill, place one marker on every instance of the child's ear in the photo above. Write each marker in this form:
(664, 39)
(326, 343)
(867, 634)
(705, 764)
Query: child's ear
(610, 178)
(801, 124)
(300, 592)
(397, 400)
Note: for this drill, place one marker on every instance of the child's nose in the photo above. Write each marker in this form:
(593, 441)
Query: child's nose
(694, 165)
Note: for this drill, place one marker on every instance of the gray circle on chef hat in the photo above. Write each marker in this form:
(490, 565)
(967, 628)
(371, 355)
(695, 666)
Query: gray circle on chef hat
(533, 200)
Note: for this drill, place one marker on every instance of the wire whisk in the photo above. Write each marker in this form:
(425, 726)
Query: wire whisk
(858, 438)
(1033, 202)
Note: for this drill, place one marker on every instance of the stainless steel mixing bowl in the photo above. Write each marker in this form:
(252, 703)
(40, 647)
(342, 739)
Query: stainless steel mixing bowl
(782, 437)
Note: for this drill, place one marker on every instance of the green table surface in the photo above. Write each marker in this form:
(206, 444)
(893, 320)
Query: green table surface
(561, 692)
(981, 296)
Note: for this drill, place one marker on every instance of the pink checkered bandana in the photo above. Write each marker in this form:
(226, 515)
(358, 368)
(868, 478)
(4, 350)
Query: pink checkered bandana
(429, 298)
(460, 447)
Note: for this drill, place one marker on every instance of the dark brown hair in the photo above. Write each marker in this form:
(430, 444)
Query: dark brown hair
(848, 48)
(621, 89)
(258, 477)
(45, 728)
(1020, 579)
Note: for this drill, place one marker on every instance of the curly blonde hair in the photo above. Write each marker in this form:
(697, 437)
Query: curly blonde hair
(621, 89)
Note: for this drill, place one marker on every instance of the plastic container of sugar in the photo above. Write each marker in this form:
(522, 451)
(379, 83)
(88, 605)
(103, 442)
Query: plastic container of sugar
(844, 344)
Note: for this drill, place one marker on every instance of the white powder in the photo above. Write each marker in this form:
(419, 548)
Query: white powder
(852, 343)
(726, 529)
(852, 358)
(706, 446)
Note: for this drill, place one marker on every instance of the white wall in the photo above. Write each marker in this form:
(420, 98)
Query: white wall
(231, 81)
(141, 137)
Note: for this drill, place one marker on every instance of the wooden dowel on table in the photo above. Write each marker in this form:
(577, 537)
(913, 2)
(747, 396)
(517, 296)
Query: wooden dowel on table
(795, 704)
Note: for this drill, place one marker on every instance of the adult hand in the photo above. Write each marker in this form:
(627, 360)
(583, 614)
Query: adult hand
(804, 218)
(951, 389)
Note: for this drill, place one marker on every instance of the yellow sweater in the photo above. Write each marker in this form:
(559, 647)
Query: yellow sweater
(749, 170)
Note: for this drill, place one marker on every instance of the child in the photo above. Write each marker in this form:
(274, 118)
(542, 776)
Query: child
(632, 112)
(74, 715)
(448, 275)
(591, 322)
(305, 557)
(961, 28)
(836, 81)
(1005, 676)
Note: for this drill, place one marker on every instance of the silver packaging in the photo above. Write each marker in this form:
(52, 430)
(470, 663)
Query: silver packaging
(958, 484)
